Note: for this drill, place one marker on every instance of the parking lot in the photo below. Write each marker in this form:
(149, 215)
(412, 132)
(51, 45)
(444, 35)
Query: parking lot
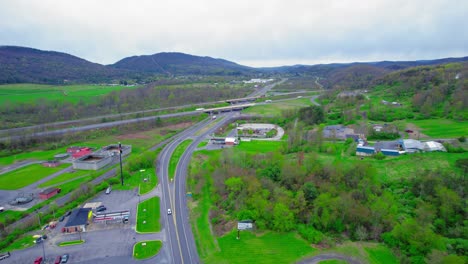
(104, 243)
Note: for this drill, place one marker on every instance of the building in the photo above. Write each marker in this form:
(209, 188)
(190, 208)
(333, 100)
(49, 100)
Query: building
(434, 146)
(78, 220)
(61, 156)
(388, 145)
(114, 150)
(49, 192)
(256, 130)
(337, 132)
(82, 152)
(51, 163)
(412, 145)
(92, 162)
(365, 151)
(231, 141)
(218, 140)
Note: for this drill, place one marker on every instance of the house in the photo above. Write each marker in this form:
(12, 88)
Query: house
(218, 141)
(49, 192)
(51, 163)
(434, 146)
(388, 145)
(231, 141)
(78, 220)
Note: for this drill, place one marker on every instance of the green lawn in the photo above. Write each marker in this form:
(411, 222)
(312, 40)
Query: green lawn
(259, 146)
(32, 155)
(66, 177)
(71, 243)
(275, 109)
(152, 181)
(333, 261)
(442, 128)
(176, 156)
(202, 144)
(148, 212)
(374, 253)
(270, 247)
(21, 243)
(27, 175)
(150, 249)
(381, 255)
(23, 93)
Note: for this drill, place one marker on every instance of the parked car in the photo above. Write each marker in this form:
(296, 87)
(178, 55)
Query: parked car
(38, 240)
(68, 213)
(62, 218)
(44, 237)
(65, 258)
(101, 208)
(58, 260)
(108, 190)
(2, 209)
(45, 227)
(38, 260)
(169, 212)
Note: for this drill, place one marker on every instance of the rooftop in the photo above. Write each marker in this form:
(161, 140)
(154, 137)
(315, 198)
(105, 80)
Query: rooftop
(78, 217)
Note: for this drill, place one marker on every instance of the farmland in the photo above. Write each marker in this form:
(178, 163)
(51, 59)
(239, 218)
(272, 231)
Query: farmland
(24, 93)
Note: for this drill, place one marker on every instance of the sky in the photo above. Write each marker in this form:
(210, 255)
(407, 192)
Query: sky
(249, 32)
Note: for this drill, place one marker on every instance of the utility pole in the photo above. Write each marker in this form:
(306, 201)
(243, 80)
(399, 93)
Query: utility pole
(120, 156)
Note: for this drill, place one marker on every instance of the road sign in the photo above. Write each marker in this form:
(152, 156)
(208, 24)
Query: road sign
(244, 226)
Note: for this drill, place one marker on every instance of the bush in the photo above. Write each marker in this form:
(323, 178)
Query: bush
(379, 156)
(310, 234)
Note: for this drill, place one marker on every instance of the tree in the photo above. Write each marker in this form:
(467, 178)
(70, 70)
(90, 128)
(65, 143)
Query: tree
(312, 115)
(310, 191)
(283, 218)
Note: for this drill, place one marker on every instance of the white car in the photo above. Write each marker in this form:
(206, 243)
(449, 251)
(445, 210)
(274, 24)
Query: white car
(169, 212)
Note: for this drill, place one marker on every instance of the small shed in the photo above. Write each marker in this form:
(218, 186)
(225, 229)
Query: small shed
(51, 163)
(49, 192)
(390, 152)
(78, 220)
(365, 151)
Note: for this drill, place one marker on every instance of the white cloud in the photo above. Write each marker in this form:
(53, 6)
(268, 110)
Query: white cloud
(260, 33)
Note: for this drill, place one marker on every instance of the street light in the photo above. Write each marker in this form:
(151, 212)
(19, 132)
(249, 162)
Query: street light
(40, 226)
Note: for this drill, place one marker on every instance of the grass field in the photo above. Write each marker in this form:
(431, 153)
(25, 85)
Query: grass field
(374, 253)
(32, 155)
(275, 109)
(67, 176)
(148, 216)
(176, 156)
(259, 146)
(152, 181)
(21, 243)
(442, 128)
(148, 250)
(333, 261)
(27, 175)
(23, 93)
(266, 248)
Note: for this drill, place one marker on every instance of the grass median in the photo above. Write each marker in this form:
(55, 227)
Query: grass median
(71, 243)
(176, 157)
(148, 216)
(146, 249)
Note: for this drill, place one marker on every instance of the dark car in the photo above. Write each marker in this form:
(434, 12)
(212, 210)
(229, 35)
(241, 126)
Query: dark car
(38, 240)
(62, 218)
(58, 260)
(65, 258)
(68, 213)
(44, 237)
(101, 208)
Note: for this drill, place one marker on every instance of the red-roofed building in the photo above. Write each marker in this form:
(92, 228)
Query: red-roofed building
(49, 192)
(82, 152)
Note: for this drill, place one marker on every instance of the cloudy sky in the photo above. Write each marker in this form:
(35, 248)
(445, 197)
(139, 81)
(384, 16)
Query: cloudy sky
(249, 32)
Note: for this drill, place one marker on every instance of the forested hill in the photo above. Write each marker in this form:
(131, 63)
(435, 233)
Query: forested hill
(174, 63)
(27, 65)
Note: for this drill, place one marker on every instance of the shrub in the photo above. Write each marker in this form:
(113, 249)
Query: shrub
(310, 234)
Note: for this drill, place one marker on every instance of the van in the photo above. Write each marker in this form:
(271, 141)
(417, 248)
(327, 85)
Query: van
(109, 189)
(2, 209)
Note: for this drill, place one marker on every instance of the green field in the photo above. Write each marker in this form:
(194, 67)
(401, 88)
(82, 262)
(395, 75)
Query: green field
(442, 128)
(259, 146)
(374, 253)
(275, 109)
(152, 181)
(32, 155)
(67, 176)
(23, 93)
(21, 243)
(176, 156)
(270, 247)
(333, 261)
(150, 249)
(148, 212)
(27, 175)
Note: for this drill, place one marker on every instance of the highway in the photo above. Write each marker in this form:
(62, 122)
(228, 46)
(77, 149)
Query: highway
(179, 232)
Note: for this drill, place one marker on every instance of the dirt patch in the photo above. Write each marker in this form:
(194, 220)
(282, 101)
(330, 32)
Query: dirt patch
(416, 134)
(167, 129)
